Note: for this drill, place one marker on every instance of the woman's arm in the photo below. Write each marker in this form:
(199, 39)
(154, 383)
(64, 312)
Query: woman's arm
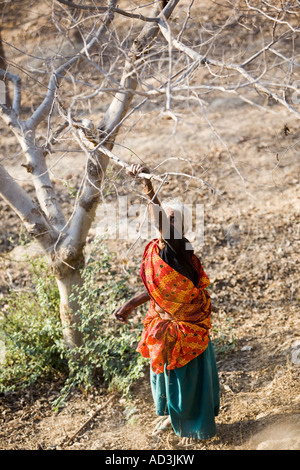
(158, 214)
(123, 312)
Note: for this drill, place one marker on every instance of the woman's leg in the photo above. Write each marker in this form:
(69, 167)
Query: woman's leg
(158, 388)
(193, 396)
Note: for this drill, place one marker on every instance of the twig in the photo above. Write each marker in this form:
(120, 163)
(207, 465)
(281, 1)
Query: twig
(88, 421)
(105, 9)
(127, 166)
(201, 59)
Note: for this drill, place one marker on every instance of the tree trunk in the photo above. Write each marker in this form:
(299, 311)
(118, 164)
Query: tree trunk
(69, 310)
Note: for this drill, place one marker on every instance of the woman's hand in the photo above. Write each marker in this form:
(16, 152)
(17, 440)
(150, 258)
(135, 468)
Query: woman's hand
(122, 313)
(134, 170)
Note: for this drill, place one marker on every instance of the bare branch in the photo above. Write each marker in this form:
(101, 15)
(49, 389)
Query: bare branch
(141, 45)
(126, 166)
(26, 209)
(276, 20)
(55, 78)
(36, 166)
(201, 59)
(105, 9)
(109, 126)
(9, 117)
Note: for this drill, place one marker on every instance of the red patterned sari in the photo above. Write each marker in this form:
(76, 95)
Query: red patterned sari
(173, 342)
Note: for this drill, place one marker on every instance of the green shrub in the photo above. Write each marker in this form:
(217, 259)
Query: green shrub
(33, 335)
(31, 332)
(109, 349)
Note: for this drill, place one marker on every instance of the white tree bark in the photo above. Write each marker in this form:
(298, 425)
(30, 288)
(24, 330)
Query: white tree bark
(63, 241)
(29, 213)
(69, 310)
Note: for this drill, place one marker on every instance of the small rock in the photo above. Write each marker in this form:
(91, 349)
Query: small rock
(246, 348)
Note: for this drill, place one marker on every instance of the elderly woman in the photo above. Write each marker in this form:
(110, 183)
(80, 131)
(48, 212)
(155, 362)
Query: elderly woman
(184, 378)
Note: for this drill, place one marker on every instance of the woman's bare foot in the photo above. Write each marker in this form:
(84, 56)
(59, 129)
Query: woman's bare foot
(188, 441)
(163, 425)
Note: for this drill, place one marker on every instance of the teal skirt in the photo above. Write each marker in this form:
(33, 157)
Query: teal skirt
(189, 395)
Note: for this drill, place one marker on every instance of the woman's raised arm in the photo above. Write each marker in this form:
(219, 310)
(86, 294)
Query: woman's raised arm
(158, 214)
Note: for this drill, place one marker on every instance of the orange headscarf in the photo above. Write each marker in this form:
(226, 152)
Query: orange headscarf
(178, 341)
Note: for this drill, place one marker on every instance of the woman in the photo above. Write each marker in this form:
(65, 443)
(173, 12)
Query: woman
(184, 378)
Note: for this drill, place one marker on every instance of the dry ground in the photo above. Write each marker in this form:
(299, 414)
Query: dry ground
(251, 254)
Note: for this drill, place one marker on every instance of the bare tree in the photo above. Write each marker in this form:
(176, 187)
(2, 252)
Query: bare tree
(64, 241)
(130, 63)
